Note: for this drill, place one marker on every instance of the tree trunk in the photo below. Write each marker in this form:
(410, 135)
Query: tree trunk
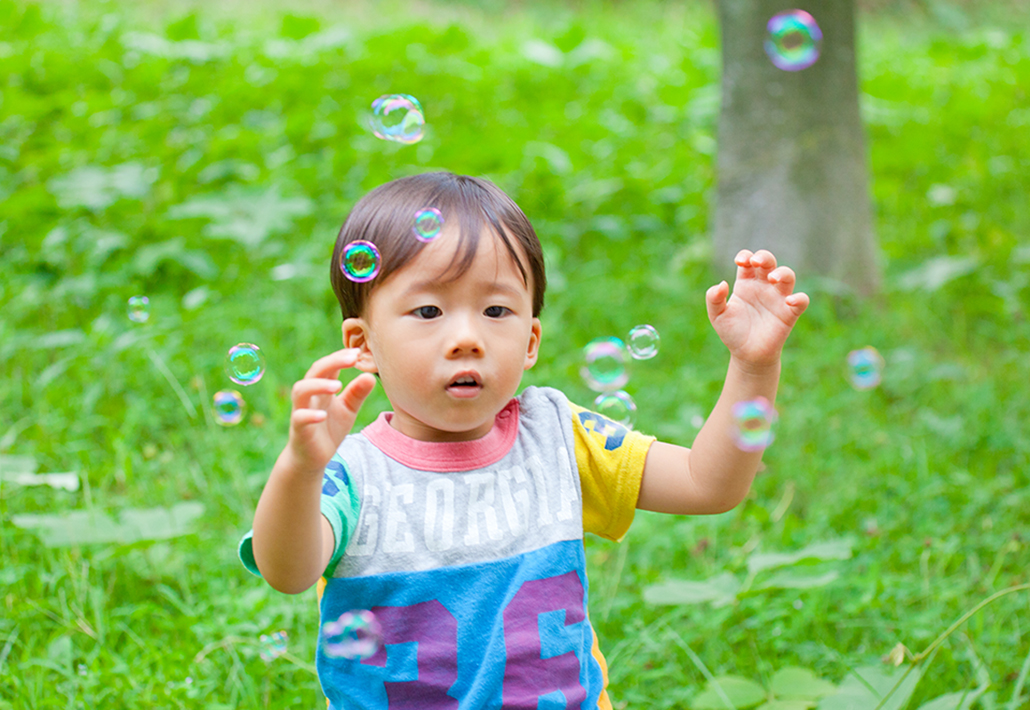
(792, 174)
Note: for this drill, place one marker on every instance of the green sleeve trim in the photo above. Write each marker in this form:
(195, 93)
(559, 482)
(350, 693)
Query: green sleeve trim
(246, 552)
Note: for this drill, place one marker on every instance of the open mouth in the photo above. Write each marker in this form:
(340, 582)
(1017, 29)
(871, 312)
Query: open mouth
(465, 384)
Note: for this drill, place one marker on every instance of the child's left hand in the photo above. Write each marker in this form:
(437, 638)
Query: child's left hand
(756, 320)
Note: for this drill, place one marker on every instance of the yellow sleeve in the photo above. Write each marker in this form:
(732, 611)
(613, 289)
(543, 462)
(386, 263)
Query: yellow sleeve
(610, 458)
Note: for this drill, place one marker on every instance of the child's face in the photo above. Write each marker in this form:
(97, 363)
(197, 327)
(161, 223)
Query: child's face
(450, 353)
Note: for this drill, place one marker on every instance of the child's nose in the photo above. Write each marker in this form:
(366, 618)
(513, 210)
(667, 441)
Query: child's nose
(465, 338)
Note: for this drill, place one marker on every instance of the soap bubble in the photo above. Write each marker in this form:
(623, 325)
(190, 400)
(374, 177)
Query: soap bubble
(428, 224)
(793, 41)
(643, 342)
(617, 406)
(273, 645)
(139, 309)
(398, 118)
(865, 368)
(229, 406)
(355, 635)
(605, 367)
(360, 261)
(245, 364)
(753, 422)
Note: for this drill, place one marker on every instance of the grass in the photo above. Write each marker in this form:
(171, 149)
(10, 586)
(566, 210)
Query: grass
(611, 155)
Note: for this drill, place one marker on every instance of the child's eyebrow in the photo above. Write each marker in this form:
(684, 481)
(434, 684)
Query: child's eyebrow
(431, 285)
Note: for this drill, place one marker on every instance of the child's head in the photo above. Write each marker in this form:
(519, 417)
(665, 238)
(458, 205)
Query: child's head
(386, 217)
(449, 325)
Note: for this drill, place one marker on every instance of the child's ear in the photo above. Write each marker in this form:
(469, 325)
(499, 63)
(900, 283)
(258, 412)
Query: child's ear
(355, 335)
(534, 345)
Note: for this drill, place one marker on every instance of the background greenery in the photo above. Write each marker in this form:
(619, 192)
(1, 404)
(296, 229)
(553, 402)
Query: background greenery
(205, 155)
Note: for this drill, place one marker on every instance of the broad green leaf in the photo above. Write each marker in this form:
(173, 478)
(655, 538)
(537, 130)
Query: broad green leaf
(787, 705)
(829, 550)
(854, 694)
(793, 683)
(244, 216)
(795, 579)
(84, 527)
(720, 590)
(743, 693)
(97, 187)
(955, 701)
(931, 275)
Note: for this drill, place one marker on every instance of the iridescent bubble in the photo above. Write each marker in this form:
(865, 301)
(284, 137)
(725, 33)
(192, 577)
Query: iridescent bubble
(360, 261)
(753, 422)
(398, 118)
(643, 342)
(355, 635)
(428, 224)
(617, 406)
(273, 645)
(245, 364)
(139, 309)
(865, 368)
(793, 40)
(605, 366)
(229, 407)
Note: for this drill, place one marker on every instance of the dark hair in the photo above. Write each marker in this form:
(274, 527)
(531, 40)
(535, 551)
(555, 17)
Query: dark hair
(386, 217)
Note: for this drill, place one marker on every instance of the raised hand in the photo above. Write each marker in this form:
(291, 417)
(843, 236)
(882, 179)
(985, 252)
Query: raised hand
(321, 418)
(755, 321)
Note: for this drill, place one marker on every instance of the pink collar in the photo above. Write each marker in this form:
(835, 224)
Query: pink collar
(446, 456)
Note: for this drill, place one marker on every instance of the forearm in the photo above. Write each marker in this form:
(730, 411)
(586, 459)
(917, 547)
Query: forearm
(721, 472)
(288, 527)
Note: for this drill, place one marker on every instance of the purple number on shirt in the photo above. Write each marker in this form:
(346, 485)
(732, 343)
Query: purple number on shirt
(436, 631)
(528, 674)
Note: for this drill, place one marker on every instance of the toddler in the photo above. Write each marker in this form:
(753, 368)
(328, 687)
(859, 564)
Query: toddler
(458, 518)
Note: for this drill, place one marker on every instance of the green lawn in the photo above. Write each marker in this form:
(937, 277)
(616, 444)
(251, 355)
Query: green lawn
(205, 155)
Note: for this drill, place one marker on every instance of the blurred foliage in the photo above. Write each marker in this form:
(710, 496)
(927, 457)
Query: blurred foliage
(205, 156)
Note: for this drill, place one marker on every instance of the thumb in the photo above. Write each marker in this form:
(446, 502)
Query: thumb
(715, 299)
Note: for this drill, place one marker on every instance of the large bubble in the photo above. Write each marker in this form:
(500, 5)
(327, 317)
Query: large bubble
(793, 41)
(229, 407)
(139, 309)
(617, 406)
(245, 364)
(753, 422)
(604, 368)
(360, 261)
(398, 118)
(643, 342)
(865, 368)
(357, 635)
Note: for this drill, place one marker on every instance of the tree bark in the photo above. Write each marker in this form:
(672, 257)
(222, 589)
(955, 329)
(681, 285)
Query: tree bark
(792, 174)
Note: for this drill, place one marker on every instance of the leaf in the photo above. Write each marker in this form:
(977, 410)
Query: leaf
(936, 272)
(793, 683)
(543, 53)
(720, 590)
(743, 693)
(787, 705)
(794, 579)
(60, 652)
(17, 464)
(84, 527)
(955, 701)
(854, 694)
(243, 215)
(97, 187)
(830, 550)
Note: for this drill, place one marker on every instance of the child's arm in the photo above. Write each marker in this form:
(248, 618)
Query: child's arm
(715, 475)
(293, 542)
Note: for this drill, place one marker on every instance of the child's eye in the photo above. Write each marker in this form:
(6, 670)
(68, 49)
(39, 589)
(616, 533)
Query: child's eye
(428, 312)
(496, 311)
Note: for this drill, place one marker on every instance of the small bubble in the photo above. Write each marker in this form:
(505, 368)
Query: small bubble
(428, 224)
(798, 604)
(139, 309)
(229, 407)
(643, 342)
(398, 118)
(617, 406)
(355, 635)
(753, 420)
(273, 645)
(82, 669)
(793, 40)
(245, 364)
(360, 261)
(865, 368)
(605, 366)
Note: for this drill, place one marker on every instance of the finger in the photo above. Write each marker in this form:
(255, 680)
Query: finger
(304, 390)
(355, 393)
(715, 299)
(783, 278)
(304, 417)
(743, 262)
(763, 259)
(798, 302)
(331, 364)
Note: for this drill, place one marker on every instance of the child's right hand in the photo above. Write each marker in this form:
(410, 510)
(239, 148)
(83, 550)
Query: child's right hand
(321, 418)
